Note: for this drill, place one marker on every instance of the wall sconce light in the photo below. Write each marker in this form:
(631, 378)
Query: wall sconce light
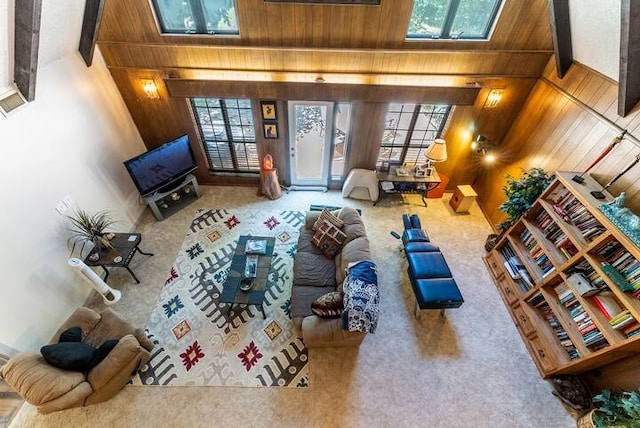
(494, 98)
(482, 148)
(150, 89)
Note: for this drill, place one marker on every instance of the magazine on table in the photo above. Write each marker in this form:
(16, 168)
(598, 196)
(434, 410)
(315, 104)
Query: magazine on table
(256, 246)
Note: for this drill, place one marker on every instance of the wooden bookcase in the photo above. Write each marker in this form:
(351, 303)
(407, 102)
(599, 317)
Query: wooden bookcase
(565, 233)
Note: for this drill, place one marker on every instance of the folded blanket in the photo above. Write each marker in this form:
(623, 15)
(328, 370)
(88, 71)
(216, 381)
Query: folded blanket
(361, 297)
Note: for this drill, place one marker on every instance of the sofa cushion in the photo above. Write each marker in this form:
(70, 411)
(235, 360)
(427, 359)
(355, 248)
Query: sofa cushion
(304, 242)
(75, 356)
(329, 305)
(313, 269)
(103, 351)
(353, 251)
(332, 218)
(329, 239)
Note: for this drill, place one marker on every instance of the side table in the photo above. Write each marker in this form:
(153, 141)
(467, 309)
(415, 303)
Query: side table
(124, 247)
(408, 184)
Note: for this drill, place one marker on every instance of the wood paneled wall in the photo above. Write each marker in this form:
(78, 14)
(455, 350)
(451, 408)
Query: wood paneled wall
(523, 25)
(282, 48)
(564, 126)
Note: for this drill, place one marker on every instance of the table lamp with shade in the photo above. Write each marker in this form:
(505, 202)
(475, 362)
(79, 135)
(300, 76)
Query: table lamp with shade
(437, 152)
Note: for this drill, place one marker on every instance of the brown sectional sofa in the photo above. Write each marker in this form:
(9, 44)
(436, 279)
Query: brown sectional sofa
(315, 275)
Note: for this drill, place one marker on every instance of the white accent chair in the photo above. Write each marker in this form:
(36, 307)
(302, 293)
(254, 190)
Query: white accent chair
(361, 184)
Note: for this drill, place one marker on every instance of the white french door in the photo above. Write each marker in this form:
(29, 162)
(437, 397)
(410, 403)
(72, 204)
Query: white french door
(310, 134)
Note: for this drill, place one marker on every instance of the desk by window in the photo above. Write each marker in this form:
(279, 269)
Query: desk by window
(125, 245)
(408, 184)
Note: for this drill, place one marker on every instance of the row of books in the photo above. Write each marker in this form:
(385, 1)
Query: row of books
(591, 335)
(537, 253)
(621, 260)
(538, 301)
(570, 208)
(516, 269)
(554, 234)
(618, 317)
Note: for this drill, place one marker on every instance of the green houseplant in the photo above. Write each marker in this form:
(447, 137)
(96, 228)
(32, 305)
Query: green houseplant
(87, 228)
(521, 193)
(620, 410)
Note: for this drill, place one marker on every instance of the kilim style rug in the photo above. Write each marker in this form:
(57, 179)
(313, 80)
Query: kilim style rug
(197, 340)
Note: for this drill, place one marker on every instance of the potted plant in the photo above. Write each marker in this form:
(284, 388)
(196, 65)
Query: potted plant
(620, 410)
(521, 193)
(87, 228)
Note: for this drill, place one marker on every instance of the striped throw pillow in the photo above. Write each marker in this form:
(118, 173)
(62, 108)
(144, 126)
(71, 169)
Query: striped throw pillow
(327, 215)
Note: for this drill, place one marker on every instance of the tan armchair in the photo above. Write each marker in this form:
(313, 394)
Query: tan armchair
(52, 389)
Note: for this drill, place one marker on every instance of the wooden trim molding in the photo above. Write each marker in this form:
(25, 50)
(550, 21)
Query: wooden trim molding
(629, 87)
(90, 28)
(180, 88)
(26, 43)
(561, 34)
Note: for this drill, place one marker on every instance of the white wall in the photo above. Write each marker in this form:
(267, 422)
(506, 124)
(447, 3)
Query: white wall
(71, 141)
(595, 35)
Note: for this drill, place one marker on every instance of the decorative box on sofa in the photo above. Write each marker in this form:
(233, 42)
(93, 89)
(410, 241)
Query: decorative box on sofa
(314, 275)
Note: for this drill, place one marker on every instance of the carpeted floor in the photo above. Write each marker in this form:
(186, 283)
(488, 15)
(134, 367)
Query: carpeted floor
(470, 369)
(199, 340)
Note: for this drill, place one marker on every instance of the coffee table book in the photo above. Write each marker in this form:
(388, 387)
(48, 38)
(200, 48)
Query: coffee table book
(256, 246)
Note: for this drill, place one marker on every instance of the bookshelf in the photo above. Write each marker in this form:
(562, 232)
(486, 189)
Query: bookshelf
(570, 281)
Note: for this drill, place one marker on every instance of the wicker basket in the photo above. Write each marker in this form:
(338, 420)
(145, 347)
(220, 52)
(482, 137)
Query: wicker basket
(586, 420)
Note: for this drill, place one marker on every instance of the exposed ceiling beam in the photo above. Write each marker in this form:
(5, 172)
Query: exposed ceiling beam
(90, 28)
(27, 40)
(561, 34)
(629, 80)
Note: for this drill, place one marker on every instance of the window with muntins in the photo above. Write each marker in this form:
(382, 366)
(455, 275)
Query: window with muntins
(452, 19)
(408, 131)
(196, 16)
(228, 134)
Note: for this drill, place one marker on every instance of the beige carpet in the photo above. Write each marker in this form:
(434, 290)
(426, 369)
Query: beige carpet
(470, 369)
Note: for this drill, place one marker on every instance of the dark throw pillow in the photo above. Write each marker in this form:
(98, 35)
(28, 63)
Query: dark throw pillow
(329, 239)
(73, 334)
(75, 356)
(103, 351)
(329, 305)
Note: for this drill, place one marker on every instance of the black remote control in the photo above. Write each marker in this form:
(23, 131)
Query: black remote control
(395, 234)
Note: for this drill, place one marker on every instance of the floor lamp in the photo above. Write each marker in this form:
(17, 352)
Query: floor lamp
(437, 152)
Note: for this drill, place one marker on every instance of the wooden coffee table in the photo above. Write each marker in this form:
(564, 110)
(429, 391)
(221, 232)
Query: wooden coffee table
(231, 292)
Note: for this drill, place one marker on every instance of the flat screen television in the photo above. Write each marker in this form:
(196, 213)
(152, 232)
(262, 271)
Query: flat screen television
(162, 167)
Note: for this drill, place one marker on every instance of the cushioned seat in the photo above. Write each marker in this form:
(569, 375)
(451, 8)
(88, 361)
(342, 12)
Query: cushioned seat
(429, 273)
(361, 184)
(437, 293)
(52, 389)
(428, 265)
(425, 247)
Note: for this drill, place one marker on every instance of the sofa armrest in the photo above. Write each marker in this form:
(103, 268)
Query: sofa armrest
(122, 363)
(39, 383)
(327, 332)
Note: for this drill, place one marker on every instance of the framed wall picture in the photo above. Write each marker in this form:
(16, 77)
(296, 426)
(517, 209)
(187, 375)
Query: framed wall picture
(268, 110)
(270, 130)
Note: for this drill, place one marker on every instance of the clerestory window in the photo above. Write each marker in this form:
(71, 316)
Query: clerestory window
(408, 131)
(228, 134)
(196, 16)
(452, 19)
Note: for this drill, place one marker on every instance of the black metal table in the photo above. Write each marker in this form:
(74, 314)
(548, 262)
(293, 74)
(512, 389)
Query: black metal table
(231, 292)
(123, 247)
(408, 184)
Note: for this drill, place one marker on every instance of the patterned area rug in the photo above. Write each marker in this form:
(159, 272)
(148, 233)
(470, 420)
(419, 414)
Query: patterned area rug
(198, 340)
